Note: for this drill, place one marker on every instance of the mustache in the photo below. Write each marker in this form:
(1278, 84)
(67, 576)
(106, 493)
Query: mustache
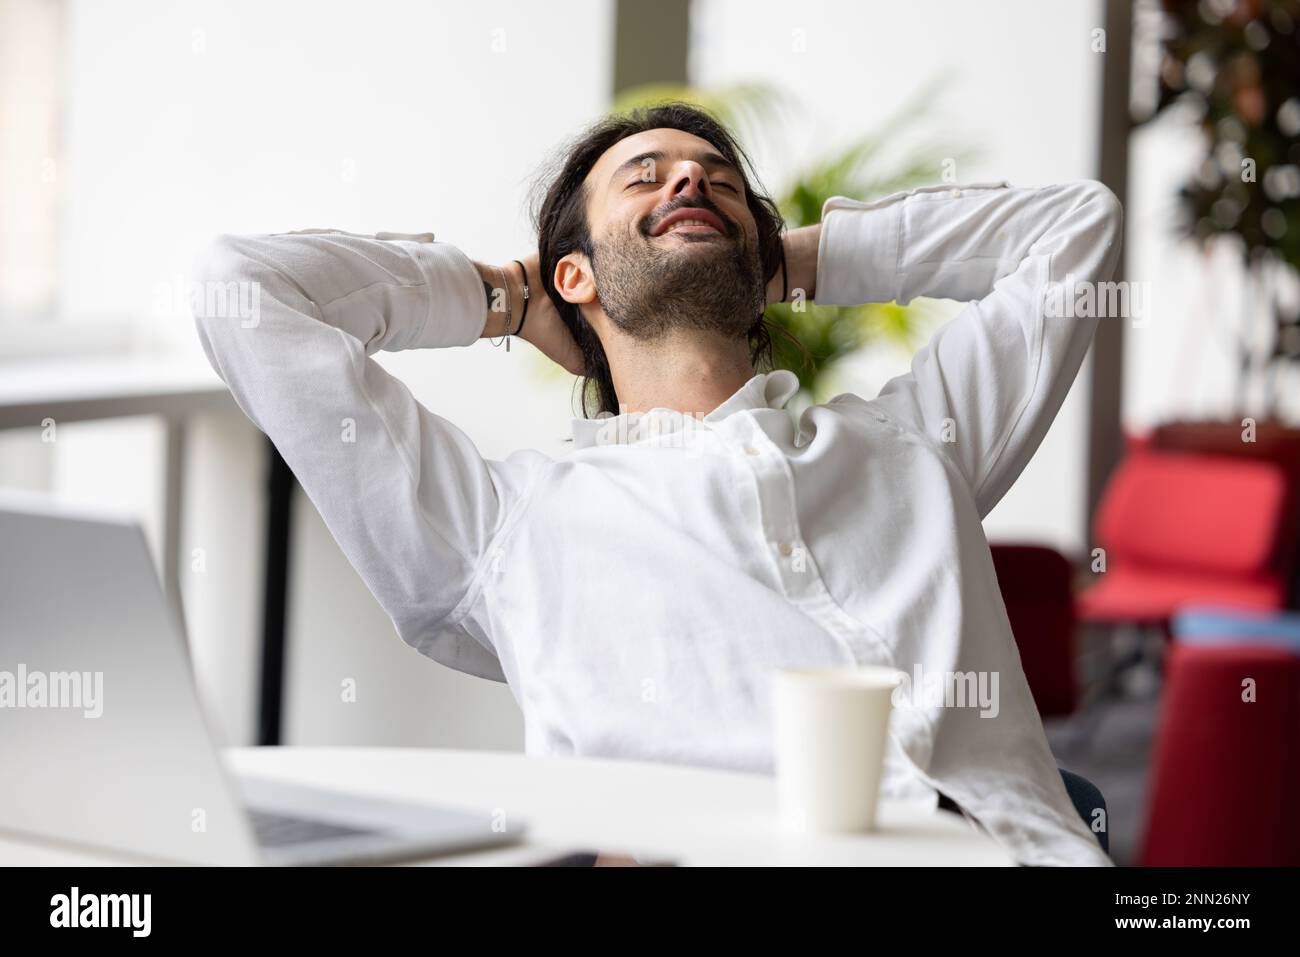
(648, 224)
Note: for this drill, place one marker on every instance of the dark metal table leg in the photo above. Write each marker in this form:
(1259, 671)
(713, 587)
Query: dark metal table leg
(275, 596)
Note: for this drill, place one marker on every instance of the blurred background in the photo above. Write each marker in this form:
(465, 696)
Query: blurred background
(1147, 553)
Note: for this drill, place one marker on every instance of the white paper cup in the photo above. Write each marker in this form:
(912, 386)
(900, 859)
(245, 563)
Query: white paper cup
(830, 727)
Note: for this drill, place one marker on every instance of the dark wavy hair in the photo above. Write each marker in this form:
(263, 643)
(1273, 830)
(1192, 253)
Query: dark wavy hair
(560, 215)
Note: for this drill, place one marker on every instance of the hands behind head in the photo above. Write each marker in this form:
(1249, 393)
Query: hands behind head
(546, 330)
(543, 326)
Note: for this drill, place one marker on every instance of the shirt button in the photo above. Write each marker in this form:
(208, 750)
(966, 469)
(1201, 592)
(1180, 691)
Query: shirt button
(784, 548)
(750, 450)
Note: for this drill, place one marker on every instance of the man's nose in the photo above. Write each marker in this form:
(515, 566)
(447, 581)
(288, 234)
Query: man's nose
(689, 180)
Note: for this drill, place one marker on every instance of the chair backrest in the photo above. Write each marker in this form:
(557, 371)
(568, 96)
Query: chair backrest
(1271, 442)
(1196, 512)
(1227, 759)
(1036, 588)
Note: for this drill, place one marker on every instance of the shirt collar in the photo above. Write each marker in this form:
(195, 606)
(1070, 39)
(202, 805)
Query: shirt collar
(767, 390)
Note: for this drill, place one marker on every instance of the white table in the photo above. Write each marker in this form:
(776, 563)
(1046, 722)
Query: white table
(687, 815)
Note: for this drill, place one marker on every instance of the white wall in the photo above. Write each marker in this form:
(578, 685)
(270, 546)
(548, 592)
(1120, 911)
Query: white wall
(191, 118)
(1020, 84)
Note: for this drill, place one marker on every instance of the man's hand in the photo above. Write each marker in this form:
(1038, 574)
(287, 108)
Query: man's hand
(800, 263)
(543, 326)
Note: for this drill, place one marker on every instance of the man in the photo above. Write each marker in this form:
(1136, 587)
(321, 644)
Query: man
(638, 593)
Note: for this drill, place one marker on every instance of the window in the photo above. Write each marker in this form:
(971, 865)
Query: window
(31, 70)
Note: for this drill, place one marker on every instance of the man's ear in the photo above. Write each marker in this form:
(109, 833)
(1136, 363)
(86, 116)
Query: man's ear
(573, 279)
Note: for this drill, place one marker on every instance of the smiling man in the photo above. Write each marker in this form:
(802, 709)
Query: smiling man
(638, 593)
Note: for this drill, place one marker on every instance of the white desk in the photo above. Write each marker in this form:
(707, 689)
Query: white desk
(688, 815)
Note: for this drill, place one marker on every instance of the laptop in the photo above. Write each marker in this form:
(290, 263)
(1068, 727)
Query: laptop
(104, 741)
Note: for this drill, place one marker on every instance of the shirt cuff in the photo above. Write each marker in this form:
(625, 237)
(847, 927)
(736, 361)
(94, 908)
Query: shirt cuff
(857, 256)
(457, 309)
(860, 256)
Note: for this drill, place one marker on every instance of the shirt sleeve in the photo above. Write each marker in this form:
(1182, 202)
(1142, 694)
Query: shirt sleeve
(290, 322)
(988, 384)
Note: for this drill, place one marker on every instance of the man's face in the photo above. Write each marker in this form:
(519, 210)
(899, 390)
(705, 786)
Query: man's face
(675, 245)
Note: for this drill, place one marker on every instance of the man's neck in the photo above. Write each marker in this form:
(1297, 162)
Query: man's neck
(688, 370)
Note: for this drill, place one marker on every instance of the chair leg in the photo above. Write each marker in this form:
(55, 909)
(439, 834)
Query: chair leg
(1081, 728)
(1098, 667)
(1124, 648)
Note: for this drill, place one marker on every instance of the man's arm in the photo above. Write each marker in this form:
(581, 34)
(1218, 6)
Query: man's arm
(988, 384)
(405, 493)
(800, 265)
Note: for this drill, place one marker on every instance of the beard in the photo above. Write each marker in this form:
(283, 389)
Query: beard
(649, 286)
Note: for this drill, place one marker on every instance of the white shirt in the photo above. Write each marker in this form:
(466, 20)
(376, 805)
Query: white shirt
(638, 593)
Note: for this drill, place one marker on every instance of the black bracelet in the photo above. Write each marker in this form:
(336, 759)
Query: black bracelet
(525, 285)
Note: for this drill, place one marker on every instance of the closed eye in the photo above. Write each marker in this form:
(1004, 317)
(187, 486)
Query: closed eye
(727, 186)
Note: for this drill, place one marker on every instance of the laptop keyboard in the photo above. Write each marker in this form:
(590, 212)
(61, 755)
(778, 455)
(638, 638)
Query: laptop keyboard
(280, 830)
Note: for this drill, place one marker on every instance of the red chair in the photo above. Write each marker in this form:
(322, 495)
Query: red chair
(1180, 529)
(1272, 442)
(1226, 771)
(1036, 588)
